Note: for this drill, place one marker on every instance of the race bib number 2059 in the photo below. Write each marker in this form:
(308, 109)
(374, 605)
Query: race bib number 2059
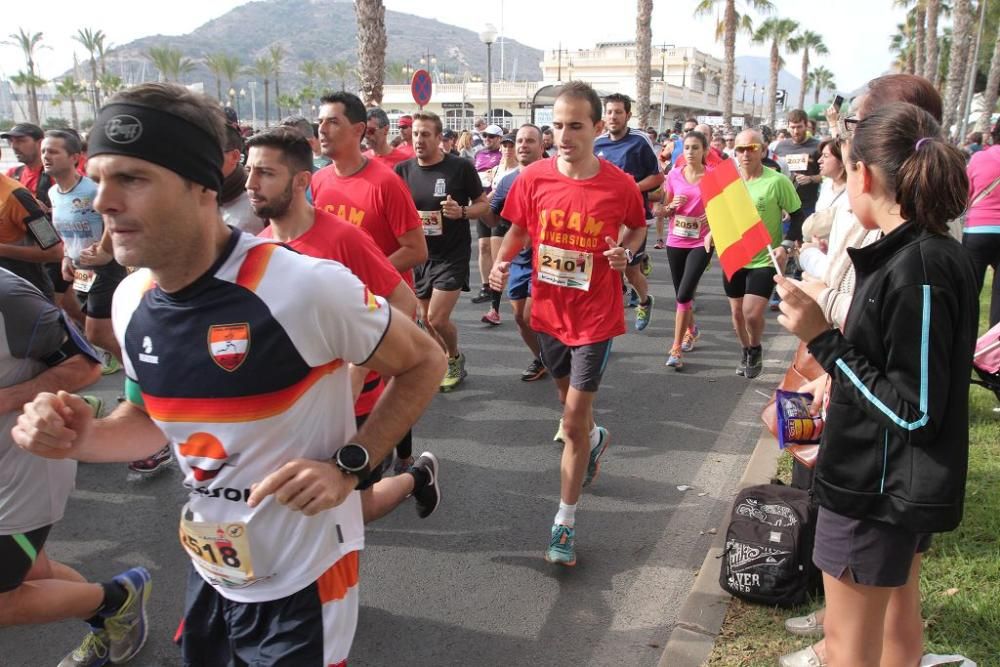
(565, 268)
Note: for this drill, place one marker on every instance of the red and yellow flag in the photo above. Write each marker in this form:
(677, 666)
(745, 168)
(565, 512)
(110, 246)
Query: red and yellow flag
(737, 230)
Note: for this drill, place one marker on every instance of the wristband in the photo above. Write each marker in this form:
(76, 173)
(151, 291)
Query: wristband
(465, 215)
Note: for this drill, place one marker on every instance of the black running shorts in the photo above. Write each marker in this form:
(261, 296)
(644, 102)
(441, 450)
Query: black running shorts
(446, 275)
(17, 554)
(98, 305)
(584, 364)
(758, 282)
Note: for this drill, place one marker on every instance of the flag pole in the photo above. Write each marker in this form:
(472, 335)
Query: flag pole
(774, 260)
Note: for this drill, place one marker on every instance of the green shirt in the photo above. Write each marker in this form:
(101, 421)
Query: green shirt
(771, 193)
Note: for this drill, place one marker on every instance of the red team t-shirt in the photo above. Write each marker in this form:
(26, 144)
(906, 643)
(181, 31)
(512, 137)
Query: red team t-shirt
(375, 199)
(390, 159)
(576, 296)
(330, 237)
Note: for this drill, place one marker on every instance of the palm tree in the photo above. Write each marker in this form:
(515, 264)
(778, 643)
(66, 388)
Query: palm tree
(957, 61)
(28, 43)
(110, 83)
(289, 102)
(396, 72)
(371, 49)
(821, 79)
(992, 90)
(68, 90)
(262, 69)
(726, 29)
(902, 46)
(231, 68)
(931, 39)
(309, 69)
(171, 63)
(803, 42)
(914, 34)
(643, 54)
(778, 32)
(341, 71)
(90, 39)
(277, 53)
(215, 62)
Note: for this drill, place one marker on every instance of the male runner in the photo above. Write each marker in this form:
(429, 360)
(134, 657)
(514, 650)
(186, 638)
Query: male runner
(377, 140)
(279, 165)
(365, 192)
(631, 152)
(571, 208)
(41, 351)
(405, 124)
(447, 193)
(749, 288)
(801, 153)
(486, 161)
(238, 350)
(689, 125)
(528, 147)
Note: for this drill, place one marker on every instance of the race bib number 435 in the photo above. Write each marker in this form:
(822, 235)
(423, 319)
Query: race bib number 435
(565, 268)
(222, 549)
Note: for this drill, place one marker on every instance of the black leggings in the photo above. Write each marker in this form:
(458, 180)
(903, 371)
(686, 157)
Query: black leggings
(984, 250)
(686, 267)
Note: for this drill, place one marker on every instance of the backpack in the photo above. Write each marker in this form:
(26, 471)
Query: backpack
(768, 554)
(44, 183)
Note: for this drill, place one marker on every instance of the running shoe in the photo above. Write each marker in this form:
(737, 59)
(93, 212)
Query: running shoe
(631, 298)
(109, 365)
(674, 359)
(127, 627)
(484, 295)
(152, 464)
(643, 313)
(660, 245)
(559, 437)
(775, 301)
(562, 546)
(755, 362)
(428, 498)
(647, 266)
(401, 465)
(535, 371)
(456, 373)
(492, 317)
(742, 368)
(93, 652)
(596, 452)
(96, 404)
(691, 337)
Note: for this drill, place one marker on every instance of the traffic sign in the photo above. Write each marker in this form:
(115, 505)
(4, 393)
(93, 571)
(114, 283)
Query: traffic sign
(421, 87)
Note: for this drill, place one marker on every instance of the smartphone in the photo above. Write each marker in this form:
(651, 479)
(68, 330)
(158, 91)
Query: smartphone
(44, 232)
(838, 102)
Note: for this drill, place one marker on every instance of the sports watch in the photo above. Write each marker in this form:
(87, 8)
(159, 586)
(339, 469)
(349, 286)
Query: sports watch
(629, 255)
(352, 459)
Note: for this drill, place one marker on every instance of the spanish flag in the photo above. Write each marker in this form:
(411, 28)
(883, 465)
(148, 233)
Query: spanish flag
(737, 230)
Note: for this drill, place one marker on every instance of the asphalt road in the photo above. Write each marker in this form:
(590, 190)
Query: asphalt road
(468, 586)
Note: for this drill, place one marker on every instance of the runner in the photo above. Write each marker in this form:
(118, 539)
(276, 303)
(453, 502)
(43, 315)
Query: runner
(529, 149)
(406, 136)
(689, 126)
(447, 194)
(571, 209)
(750, 287)
(486, 160)
(801, 153)
(365, 192)
(21, 250)
(271, 525)
(689, 244)
(278, 163)
(41, 351)
(508, 163)
(377, 140)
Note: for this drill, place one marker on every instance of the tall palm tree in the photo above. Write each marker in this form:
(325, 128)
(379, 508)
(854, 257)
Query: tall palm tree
(902, 46)
(68, 90)
(110, 83)
(643, 54)
(214, 62)
(262, 69)
(309, 69)
(821, 79)
(90, 40)
(777, 32)
(931, 39)
(726, 28)
(803, 42)
(992, 89)
(341, 71)
(914, 32)
(371, 49)
(957, 61)
(277, 53)
(171, 63)
(231, 68)
(29, 43)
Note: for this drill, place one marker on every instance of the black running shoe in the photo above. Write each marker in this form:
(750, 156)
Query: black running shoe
(741, 370)
(535, 371)
(484, 295)
(755, 362)
(429, 497)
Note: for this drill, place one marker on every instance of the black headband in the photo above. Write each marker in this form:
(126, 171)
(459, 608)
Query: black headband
(159, 137)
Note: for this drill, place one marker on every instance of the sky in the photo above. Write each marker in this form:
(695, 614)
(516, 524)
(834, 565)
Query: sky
(854, 57)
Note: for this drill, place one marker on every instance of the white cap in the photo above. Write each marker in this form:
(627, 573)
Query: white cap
(495, 130)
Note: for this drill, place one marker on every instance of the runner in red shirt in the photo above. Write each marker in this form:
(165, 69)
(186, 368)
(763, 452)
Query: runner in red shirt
(365, 192)
(572, 207)
(377, 140)
(279, 163)
(406, 134)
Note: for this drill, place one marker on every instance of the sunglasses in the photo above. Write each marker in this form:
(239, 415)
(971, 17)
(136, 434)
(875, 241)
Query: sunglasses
(846, 127)
(746, 147)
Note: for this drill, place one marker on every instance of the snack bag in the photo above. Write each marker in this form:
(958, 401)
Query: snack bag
(795, 425)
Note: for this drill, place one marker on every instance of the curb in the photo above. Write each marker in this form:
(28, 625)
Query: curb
(703, 611)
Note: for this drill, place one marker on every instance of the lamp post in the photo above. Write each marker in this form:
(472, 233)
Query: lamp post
(487, 37)
(243, 95)
(684, 76)
(743, 96)
(663, 84)
(232, 99)
(753, 102)
(253, 103)
(430, 60)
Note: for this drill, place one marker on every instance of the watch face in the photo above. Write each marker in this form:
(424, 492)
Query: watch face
(353, 457)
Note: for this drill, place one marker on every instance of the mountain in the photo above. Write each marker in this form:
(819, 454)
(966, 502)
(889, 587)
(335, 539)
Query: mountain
(325, 31)
(758, 68)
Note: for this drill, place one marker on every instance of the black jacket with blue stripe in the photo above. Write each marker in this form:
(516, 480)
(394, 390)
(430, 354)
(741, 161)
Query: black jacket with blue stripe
(895, 446)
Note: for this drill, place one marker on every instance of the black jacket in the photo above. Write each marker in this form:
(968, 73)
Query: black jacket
(895, 446)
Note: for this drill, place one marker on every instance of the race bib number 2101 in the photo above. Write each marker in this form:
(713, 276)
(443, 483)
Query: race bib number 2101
(565, 268)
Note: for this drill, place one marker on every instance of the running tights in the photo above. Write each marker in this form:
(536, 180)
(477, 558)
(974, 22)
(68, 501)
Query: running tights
(686, 267)
(984, 251)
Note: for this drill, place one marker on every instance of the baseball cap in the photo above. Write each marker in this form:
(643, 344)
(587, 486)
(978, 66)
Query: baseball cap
(406, 121)
(494, 130)
(449, 134)
(24, 130)
(509, 138)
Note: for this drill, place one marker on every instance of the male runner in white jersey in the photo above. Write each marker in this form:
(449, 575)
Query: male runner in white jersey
(248, 379)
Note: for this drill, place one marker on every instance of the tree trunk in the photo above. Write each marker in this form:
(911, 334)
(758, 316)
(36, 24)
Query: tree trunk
(371, 49)
(73, 114)
(267, 103)
(643, 54)
(805, 75)
(931, 43)
(729, 66)
(816, 97)
(960, 38)
(277, 95)
(919, 38)
(772, 86)
(93, 84)
(992, 89)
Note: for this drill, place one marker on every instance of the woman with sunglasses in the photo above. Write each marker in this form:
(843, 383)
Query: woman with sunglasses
(892, 463)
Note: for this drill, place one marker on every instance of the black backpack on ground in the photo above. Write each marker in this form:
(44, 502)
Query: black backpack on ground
(768, 554)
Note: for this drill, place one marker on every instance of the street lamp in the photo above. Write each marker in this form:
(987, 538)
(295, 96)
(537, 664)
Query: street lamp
(243, 95)
(743, 97)
(684, 76)
(430, 60)
(753, 102)
(232, 98)
(253, 103)
(487, 37)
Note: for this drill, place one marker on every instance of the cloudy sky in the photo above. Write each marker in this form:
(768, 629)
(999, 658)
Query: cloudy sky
(855, 57)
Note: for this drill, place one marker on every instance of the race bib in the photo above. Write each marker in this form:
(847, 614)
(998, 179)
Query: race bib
(486, 178)
(565, 268)
(687, 227)
(797, 162)
(83, 280)
(432, 223)
(221, 549)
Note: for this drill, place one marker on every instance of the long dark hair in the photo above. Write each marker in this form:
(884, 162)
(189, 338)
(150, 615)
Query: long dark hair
(924, 173)
(704, 143)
